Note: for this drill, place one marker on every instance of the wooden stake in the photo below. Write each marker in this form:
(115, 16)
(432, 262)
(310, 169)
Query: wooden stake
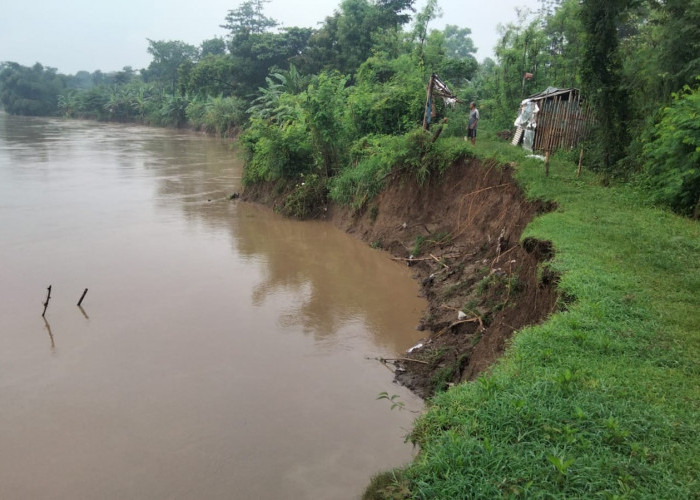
(580, 161)
(46, 304)
(546, 164)
(383, 360)
(82, 297)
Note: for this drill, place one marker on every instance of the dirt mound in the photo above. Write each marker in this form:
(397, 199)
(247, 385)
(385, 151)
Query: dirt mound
(460, 232)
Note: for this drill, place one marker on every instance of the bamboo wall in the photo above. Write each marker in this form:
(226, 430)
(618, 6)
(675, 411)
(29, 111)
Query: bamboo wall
(562, 122)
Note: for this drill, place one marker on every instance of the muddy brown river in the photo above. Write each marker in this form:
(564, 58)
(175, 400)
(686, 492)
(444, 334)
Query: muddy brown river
(221, 351)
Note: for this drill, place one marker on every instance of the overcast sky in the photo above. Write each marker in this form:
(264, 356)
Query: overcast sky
(74, 35)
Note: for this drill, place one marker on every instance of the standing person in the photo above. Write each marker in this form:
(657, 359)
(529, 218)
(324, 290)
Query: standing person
(473, 122)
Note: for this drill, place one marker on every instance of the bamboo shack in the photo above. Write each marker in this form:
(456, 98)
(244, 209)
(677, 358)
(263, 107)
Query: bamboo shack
(553, 119)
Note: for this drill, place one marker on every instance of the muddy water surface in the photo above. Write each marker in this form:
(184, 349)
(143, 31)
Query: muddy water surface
(221, 351)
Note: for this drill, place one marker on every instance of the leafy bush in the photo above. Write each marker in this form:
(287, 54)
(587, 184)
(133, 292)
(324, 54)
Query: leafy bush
(326, 114)
(273, 152)
(672, 158)
(389, 97)
(173, 109)
(216, 115)
(307, 198)
(29, 91)
(375, 157)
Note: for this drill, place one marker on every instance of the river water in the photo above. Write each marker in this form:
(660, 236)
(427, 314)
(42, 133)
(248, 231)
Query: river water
(221, 351)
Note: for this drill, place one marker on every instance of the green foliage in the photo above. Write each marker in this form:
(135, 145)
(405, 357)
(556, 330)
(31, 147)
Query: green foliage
(389, 96)
(213, 75)
(29, 91)
(294, 134)
(394, 399)
(222, 116)
(248, 19)
(307, 198)
(672, 158)
(523, 48)
(326, 113)
(276, 152)
(173, 110)
(168, 57)
(387, 486)
(678, 57)
(348, 37)
(602, 75)
(375, 158)
(458, 42)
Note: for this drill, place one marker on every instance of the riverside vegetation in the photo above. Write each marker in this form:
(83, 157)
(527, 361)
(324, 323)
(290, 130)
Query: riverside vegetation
(601, 400)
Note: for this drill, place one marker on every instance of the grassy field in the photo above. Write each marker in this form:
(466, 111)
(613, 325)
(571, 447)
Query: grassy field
(601, 401)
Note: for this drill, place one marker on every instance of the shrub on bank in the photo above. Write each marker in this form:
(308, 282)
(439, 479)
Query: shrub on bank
(222, 116)
(672, 158)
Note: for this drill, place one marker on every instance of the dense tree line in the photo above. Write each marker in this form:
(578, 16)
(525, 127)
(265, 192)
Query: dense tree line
(316, 101)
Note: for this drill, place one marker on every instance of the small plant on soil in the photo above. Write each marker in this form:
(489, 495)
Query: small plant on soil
(306, 198)
(418, 246)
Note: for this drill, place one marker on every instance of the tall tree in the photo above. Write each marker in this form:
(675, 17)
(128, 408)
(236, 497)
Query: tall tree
(680, 44)
(248, 19)
(30, 91)
(420, 25)
(602, 77)
(256, 50)
(212, 47)
(458, 42)
(168, 56)
(348, 37)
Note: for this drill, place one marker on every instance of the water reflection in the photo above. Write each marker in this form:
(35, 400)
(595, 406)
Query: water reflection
(82, 311)
(333, 280)
(48, 329)
(336, 280)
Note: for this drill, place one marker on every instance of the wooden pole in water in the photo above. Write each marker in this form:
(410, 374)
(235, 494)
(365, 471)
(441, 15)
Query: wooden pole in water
(46, 304)
(82, 297)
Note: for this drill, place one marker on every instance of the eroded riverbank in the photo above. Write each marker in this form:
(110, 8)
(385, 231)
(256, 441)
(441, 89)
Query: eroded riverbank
(460, 236)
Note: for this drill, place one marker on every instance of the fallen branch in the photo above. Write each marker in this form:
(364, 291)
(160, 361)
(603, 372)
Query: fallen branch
(388, 360)
(438, 261)
(475, 319)
(502, 254)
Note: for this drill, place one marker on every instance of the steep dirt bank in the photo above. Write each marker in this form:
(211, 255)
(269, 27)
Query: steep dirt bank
(460, 232)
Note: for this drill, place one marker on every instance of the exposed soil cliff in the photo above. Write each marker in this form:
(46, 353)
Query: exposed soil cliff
(460, 232)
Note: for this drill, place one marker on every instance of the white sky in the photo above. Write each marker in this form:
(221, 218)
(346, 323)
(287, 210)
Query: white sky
(74, 35)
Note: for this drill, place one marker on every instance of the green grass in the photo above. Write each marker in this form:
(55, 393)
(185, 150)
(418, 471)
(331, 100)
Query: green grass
(602, 400)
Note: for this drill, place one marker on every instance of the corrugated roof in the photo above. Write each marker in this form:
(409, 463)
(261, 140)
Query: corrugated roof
(551, 92)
